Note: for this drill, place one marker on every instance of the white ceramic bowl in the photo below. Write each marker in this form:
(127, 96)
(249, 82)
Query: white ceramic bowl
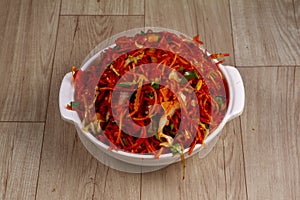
(100, 150)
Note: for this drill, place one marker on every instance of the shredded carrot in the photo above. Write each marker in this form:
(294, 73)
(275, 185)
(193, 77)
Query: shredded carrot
(196, 38)
(164, 50)
(218, 55)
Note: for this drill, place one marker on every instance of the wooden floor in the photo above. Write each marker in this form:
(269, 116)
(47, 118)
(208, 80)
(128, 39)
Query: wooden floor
(258, 155)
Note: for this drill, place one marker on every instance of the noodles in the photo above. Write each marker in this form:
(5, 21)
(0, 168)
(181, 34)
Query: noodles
(159, 101)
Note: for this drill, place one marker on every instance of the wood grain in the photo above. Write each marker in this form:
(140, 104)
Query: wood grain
(179, 16)
(205, 179)
(265, 33)
(117, 185)
(270, 130)
(209, 19)
(234, 165)
(218, 176)
(296, 6)
(102, 7)
(257, 155)
(214, 26)
(19, 157)
(28, 35)
(65, 163)
(221, 174)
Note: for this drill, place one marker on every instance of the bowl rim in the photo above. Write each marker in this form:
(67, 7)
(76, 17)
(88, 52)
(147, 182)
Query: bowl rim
(90, 58)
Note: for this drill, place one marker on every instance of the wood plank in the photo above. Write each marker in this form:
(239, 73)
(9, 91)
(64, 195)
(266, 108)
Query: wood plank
(65, 163)
(102, 7)
(209, 19)
(20, 150)
(214, 27)
(218, 176)
(234, 161)
(265, 33)
(270, 130)
(221, 174)
(204, 179)
(296, 5)
(179, 16)
(28, 33)
(117, 185)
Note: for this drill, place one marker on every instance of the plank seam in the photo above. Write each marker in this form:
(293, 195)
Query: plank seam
(242, 142)
(103, 15)
(94, 182)
(269, 66)
(195, 11)
(40, 163)
(55, 47)
(47, 108)
(144, 13)
(224, 165)
(294, 8)
(33, 122)
(231, 27)
(105, 180)
(141, 177)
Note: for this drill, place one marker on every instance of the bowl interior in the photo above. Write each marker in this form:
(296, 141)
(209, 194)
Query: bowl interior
(92, 59)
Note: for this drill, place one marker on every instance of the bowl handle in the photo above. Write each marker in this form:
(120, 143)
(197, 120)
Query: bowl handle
(238, 91)
(66, 94)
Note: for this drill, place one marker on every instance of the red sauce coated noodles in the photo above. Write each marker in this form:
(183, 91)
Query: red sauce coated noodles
(163, 103)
